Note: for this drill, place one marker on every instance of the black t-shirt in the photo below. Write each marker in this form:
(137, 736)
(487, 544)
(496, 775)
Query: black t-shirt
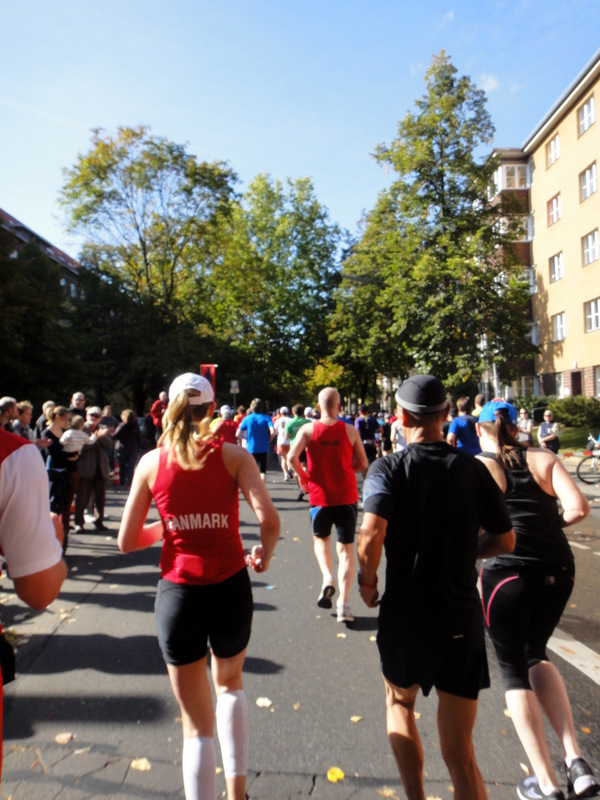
(435, 500)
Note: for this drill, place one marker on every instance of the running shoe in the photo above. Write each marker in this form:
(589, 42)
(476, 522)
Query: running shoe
(580, 779)
(327, 592)
(343, 613)
(529, 789)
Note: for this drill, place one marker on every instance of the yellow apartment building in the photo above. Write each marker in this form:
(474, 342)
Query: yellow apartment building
(561, 157)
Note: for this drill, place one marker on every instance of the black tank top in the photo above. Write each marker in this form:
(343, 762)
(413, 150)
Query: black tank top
(535, 518)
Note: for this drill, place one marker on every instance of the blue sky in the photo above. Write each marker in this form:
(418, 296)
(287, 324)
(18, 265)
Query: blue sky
(293, 89)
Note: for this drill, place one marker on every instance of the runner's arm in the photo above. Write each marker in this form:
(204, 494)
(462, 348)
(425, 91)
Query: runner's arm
(244, 470)
(133, 534)
(369, 549)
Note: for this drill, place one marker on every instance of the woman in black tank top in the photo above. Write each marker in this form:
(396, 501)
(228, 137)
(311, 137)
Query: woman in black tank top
(524, 595)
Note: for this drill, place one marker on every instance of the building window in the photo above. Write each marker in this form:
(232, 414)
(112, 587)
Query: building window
(530, 226)
(552, 150)
(554, 209)
(531, 278)
(535, 334)
(558, 384)
(586, 115)
(588, 181)
(592, 315)
(557, 269)
(590, 247)
(515, 176)
(597, 381)
(559, 328)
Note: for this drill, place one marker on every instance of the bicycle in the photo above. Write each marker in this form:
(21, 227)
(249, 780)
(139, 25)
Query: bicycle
(588, 469)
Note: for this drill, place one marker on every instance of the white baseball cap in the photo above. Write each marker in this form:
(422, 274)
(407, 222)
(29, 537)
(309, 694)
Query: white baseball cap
(193, 382)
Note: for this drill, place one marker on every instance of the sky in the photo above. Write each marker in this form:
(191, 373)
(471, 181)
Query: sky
(293, 89)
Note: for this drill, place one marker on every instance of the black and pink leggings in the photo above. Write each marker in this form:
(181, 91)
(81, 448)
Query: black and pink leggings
(521, 607)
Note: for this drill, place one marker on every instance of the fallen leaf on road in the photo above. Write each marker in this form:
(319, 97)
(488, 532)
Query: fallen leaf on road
(82, 750)
(372, 638)
(114, 586)
(141, 764)
(335, 774)
(507, 713)
(296, 706)
(356, 718)
(417, 715)
(64, 738)
(264, 702)
(219, 770)
(387, 792)
(341, 636)
(586, 730)
(525, 768)
(296, 539)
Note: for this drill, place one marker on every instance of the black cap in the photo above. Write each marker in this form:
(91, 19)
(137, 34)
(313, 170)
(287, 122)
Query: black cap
(422, 394)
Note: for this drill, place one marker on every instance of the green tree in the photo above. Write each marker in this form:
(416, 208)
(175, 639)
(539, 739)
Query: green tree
(273, 291)
(149, 214)
(441, 277)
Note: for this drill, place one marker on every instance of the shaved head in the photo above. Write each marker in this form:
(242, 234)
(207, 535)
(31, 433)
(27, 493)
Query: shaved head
(329, 399)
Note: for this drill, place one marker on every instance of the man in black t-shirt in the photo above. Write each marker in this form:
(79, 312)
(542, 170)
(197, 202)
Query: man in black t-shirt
(426, 506)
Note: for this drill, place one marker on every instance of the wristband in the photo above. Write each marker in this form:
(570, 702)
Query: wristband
(366, 585)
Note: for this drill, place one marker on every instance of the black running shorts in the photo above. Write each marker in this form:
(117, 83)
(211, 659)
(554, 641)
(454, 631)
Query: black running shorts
(188, 617)
(343, 517)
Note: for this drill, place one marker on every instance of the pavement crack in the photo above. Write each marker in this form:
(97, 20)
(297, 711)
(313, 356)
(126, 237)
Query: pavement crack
(314, 785)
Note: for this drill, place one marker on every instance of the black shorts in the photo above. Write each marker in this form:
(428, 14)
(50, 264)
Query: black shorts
(522, 606)
(343, 517)
(187, 617)
(455, 665)
(261, 459)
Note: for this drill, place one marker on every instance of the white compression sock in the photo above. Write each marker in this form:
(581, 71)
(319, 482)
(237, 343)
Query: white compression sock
(232, 729)
(199, 768)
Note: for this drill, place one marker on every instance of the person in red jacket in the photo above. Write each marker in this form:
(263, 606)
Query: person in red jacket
(157, 411)
(204, 595)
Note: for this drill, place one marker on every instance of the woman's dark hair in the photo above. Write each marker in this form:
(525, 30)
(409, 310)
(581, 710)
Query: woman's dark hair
(507, 447)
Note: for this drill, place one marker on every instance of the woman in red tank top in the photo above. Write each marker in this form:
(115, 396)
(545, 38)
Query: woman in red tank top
(204, 596)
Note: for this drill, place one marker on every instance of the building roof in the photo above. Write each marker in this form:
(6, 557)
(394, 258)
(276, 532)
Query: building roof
(25, 234)
(571, 95)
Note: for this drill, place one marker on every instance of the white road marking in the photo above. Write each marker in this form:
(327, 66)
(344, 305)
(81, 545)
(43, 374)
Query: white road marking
(578, 655)
(580, 546)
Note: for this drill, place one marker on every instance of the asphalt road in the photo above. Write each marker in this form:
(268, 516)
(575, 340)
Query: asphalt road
(91, 714)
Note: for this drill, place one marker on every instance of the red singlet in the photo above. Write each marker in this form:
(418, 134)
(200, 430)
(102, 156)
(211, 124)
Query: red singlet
(200, 513)
(332, 479)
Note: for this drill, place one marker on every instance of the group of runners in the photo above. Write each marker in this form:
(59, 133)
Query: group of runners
(431, 509)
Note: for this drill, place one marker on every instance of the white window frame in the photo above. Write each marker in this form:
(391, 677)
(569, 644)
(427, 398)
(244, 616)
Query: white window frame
(530, 225)
(554, 208)
(534, 332)
(531, 277)
(559, 327)
(590, 247)
(557, 267)
(586, 115)
(592, 315)
(597, 381)
(588, 182)
(553, 150)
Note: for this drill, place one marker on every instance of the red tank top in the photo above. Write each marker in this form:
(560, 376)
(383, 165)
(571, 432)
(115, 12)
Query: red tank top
(200, 513)
(330, 455)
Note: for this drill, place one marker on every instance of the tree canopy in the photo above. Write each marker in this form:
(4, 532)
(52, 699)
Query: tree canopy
(435, 266)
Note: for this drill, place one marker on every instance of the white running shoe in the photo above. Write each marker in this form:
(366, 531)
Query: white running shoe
(343, 613)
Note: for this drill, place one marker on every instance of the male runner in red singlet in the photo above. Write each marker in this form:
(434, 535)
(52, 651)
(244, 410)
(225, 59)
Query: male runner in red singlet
(335, 454)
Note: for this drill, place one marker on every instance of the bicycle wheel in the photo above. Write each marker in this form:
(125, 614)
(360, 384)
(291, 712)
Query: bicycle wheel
(588, 469)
